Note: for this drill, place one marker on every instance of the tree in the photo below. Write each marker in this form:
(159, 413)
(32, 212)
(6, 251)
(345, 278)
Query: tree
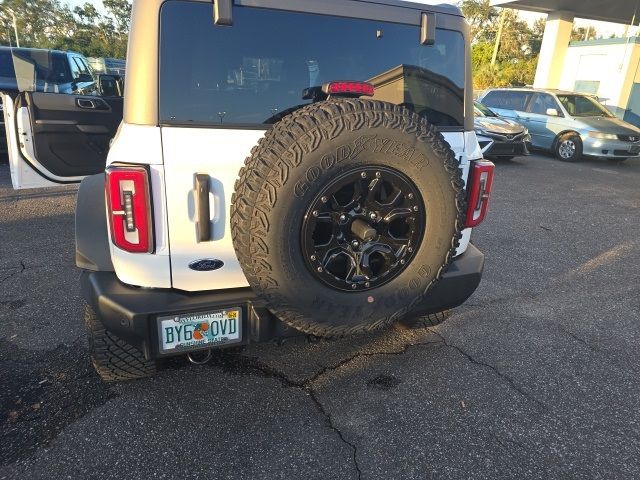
(518, 50)
(581, 33)
(482, 18)
(52, 24)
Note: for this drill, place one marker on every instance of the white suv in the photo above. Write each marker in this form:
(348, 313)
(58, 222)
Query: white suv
(281, 165)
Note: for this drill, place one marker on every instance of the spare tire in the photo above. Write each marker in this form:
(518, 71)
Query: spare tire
(346, 214)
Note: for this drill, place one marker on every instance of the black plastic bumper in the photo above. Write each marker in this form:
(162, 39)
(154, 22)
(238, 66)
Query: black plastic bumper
(131, 312)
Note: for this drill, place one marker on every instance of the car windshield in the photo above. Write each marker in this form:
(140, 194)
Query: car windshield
(480, 110)
(254, 72)
(583, 106)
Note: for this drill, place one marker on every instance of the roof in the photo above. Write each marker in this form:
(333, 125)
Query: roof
(554, 91)
(605, 41)
(43, 50)
(616, 11)
(438, 5)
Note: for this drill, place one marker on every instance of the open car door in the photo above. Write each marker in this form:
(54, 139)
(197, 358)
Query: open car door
(54, 138)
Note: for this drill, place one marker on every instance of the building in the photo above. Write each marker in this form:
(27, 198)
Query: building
(608, 68)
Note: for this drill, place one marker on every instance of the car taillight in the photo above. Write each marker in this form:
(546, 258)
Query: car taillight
(129, 208)
(479, 191)
(349, 88)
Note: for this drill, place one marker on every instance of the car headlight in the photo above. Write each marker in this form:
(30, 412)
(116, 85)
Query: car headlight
(603, 136)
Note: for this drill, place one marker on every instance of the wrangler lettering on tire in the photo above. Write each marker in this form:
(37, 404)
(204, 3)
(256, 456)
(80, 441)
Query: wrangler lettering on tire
(346, 214)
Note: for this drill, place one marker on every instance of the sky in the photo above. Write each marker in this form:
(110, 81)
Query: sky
(604, 29)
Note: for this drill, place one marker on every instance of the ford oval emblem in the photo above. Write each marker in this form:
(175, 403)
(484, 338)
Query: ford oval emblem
(206, 265)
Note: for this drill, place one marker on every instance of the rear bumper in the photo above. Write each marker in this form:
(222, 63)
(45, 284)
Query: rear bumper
(131, 312)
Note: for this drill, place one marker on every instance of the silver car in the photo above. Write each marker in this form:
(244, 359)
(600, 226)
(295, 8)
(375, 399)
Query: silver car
(567, 124)
(499, 137)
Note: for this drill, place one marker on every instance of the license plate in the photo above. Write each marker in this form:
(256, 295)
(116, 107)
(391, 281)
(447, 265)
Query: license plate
(193, 331)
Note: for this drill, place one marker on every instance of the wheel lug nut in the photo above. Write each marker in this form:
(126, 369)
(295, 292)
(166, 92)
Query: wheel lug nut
(378, 175)
(343, 217)
(402, 262)
(355, 244)
(320, 269)
(313, 258)
(415, 208)
(410, 196)
(363, 174)
(315, 213)
(410, 249)
(353, 286)
(373, 216)
(367, 284)
(323, 199)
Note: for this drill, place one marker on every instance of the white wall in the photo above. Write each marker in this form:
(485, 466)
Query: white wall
(608, 64)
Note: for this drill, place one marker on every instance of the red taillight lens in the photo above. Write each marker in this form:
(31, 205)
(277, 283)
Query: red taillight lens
(479, 191)
(129, 208)
(352, 88)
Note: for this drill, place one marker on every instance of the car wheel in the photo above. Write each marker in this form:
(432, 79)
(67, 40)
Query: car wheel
(569, 147)
(113, 358)
(346, 214)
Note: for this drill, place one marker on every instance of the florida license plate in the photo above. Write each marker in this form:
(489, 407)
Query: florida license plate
(179, 333)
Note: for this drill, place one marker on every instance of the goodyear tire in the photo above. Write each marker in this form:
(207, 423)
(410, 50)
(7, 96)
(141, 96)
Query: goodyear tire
(346, 214)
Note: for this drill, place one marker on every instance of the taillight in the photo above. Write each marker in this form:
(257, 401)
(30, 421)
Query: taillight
(129, 208)
(349, 88)
(479, 191)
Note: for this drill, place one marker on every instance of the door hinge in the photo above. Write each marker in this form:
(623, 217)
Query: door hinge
(223, 12)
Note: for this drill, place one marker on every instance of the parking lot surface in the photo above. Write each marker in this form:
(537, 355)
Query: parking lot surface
(536, 376)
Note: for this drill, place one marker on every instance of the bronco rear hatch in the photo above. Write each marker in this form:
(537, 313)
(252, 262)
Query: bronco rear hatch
(222, 87)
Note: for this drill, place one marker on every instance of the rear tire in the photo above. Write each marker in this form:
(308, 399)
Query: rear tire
(568, 147)
(429, 320)
(113, 358)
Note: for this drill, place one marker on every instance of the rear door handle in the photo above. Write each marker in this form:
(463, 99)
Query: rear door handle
(203, 208)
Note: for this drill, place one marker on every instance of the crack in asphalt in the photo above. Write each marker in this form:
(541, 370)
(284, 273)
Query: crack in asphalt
(252, 364)
(23, 267)
(512, 384)
(579, 340)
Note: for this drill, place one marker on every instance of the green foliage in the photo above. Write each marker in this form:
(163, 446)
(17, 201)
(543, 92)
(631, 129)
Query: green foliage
(518, 51)
(581, 33)
(52, 24)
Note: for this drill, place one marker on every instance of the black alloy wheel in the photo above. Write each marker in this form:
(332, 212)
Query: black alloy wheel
(363, 229)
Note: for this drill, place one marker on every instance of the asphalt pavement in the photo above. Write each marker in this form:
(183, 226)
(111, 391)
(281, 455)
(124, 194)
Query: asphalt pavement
(536, 376)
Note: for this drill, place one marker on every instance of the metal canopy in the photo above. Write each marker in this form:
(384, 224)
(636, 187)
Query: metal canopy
(616, 11)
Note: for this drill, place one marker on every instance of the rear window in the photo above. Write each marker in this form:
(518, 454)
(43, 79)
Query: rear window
(252, 73)
(506, 100)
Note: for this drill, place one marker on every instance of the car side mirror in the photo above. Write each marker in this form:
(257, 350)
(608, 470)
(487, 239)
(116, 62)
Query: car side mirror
(552, 112)
(108, 86)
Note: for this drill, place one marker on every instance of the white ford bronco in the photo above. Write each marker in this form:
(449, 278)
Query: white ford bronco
(279, 165)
